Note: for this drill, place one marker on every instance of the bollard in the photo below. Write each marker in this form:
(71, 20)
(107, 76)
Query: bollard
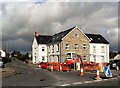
(51, 68)
(81, 71)
(98, 75)
(39, 66)
(60, 68)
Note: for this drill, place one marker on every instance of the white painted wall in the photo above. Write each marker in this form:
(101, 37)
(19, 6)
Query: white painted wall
(42, 53)
(35, 52)
(98, 54)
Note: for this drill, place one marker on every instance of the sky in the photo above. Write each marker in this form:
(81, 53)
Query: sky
(21, 19)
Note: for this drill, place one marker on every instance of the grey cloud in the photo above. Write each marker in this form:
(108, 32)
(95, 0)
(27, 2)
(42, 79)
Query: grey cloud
(21, 20)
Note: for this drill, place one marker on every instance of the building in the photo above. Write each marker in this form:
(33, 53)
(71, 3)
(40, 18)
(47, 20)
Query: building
(99, 48)
(67, 44)
(39, 48)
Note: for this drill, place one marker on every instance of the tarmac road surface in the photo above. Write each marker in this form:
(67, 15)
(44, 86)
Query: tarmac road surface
(32, 76)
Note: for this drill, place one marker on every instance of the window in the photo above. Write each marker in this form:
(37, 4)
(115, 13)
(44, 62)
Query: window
(94, 49)
(68, 56)
(76, 46)
(43, 58)
(57, 47)
(67, 46)
(43, 48)
(84, 58)
(102, 49)
(48, 49)
(53, 49)
(84, 46)
(76, 34)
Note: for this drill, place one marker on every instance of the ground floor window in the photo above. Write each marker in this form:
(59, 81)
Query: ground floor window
(84, 58)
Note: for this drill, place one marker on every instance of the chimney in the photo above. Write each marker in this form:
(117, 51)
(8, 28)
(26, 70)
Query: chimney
(36, 34)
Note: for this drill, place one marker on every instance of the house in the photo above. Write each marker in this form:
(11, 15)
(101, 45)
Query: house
(67, 44)
(39, 48)
(99, 48)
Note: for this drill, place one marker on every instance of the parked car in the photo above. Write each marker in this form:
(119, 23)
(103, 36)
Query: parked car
(114, 63)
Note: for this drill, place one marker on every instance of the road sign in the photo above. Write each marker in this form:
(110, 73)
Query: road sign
(107, 72)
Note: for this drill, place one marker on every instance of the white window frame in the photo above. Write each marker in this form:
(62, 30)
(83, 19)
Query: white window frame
(102, 49)
(42, 58)
(52, 48)
(67, 46)
(43, 48)
(57, 47)
(76, 47)
(85, 46)
(85, 58)
(94, 49)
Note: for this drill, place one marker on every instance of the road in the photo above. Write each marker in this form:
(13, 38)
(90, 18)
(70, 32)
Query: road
(32, 76)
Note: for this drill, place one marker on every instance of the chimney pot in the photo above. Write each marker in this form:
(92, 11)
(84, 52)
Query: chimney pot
(36, 33)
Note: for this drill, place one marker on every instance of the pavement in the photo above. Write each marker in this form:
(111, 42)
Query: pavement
(7, 72)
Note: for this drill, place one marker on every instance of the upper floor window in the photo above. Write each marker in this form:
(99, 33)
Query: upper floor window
(84, 46)
(102, 49)
(43, 48)
(57, 47)
(76, 34)
(76, 46)
(94, 49)
(48, 49)
(43, 58)
(67, 46)
(52, 48)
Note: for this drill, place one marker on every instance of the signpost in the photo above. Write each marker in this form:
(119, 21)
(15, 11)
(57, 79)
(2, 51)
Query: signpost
(107, 71)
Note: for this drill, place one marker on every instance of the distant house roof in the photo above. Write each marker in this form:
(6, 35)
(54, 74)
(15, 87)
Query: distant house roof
(58, 37)
(97, 38)
(42, 39)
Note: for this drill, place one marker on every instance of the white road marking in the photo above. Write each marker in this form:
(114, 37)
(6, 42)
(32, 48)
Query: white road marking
(88, 82)
(65, 85)
(105, 79)
(97, 80)
(78, 83)
(114, 78)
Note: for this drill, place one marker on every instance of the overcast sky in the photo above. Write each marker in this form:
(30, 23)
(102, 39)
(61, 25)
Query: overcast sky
(21, 19)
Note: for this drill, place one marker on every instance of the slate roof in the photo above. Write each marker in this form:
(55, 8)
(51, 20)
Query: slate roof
(46, 39)
(97, 38)
(42, 39)
(58, 37)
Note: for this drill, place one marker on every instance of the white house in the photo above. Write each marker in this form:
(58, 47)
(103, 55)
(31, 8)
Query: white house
(39, 48)
(99, 48)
